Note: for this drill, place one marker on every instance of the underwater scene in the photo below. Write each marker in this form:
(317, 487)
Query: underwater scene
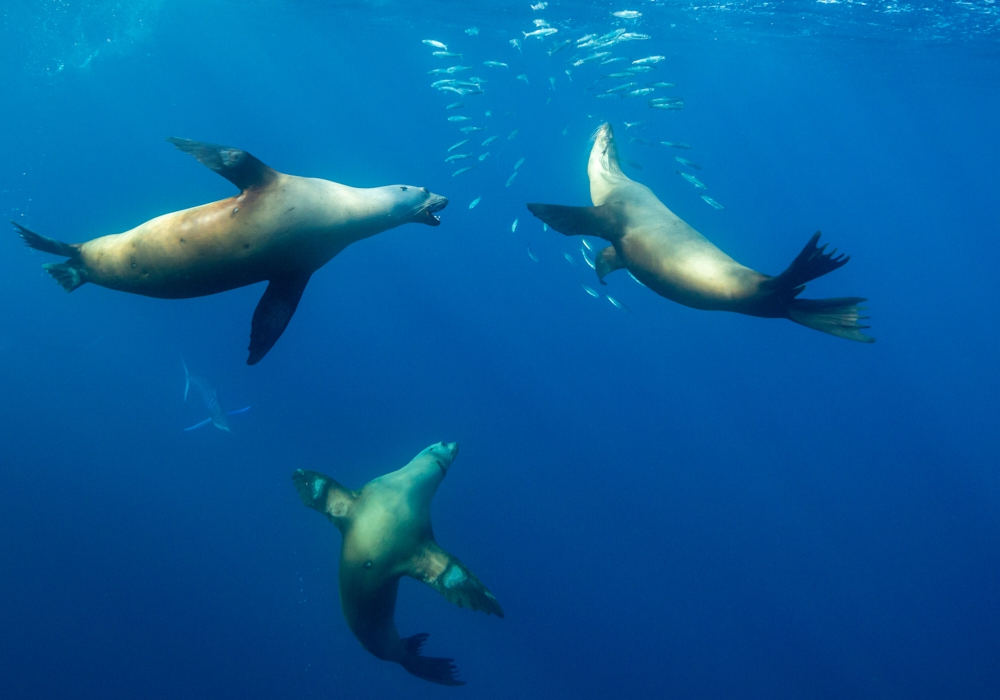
(514, 349)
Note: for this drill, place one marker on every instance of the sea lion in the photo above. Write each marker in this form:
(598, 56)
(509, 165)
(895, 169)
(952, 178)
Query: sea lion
(279, 228)
(387, 534)
(675, 261)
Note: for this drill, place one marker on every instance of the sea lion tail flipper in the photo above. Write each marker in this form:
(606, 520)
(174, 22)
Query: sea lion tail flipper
(433, 669)
(274, 310)
(450, 577)
(607, 261)
(237, 166)
(837, 317)
(68, 274)
(324, 494)
(811, 263)
(578, 221)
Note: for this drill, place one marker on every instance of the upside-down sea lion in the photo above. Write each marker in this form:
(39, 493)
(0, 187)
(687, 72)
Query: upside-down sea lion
(677, 262)
(279, 228)
(387, 534)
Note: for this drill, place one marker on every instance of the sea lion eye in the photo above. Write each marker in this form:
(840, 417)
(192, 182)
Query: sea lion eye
(403, 187)
(426, 190)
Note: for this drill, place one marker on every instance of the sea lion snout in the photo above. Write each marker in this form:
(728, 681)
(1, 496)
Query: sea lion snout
(434, 203)
(444, 454)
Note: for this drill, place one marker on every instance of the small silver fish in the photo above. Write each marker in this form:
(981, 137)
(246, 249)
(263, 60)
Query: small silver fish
(457, 156)
(569, 74)
(609, 95)
(455, 105)
(545, 227)
(516, 43)
(559, 46)
(648, 60)
(685, 161)
(519, 163)
(440, 83)
(626, 74)
(712, 202)
(586, 245)
(460, 171)
(569, 259)
(472, 31)
(446, 54)
(459, 118)
(470, 129)
(675, 144)
(661, 84)
(552, 83)
(635, 278)
(693, 180)
(511, 179)
(616, 59)
(590, 263)
(495, 64)
(460, 143)
(513, 226)
(524, 78)
(617, 304)
(532, 255)
(589, 291)
(540, 33)
(629, 125)
(484, 156)
(668, 105)
(627, 14)
(512, 134)
(490, 140)
(450, 88)
(640, 69)
(435, 44)
(621, 88)
(540, 6)
(633, 36)
(474, 202)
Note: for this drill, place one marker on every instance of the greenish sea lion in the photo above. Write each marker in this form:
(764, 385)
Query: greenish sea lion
(677, 262)
(279, 228)
(387, 534)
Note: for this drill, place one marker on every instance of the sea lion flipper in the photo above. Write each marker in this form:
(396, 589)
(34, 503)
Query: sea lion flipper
(237, 166)
(324, 494)
(607, 261)
(433, 669)
(450, 577)
(273, 312)
(578, 221)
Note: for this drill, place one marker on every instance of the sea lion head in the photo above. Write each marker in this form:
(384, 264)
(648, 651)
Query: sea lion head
(427, 470)
(603, 168)
(417, 205)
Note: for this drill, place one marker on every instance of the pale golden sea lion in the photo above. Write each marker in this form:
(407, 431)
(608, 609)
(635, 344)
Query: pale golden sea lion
(677, 262)
(279, 228)
(387, 534)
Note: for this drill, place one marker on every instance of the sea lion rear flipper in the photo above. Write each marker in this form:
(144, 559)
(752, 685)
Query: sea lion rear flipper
(444, 572)
(435, 670)
(324, 494)
(578, 221)
(237, 166)
(273, 312)
(606, 262)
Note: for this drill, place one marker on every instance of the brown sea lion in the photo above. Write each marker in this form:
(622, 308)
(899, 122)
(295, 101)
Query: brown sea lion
(279, 228)
(387, 534)
(677, 262)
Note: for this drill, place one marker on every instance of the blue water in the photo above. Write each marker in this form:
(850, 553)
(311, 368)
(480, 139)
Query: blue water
(667, 502)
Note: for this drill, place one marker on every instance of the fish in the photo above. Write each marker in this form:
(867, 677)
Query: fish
(586, 37)
(564, 130)
(455, 105)
(552, 82)
(627, 14)
(711, 202)
(518, 164)
(532, 255)
(629, 125)
(617, 75)
(617, 304)
(512, 134)
(664, 100)
(693, 180)
(440, 83)
(641, 92)
(516, 43)
(633, 36)
(459, 118)
(513, 226)
(511, 179)
(586, 245)
(545, 227)
(472, 31)
(484, 156)
(450, 70)
(449, 88)
(648, 60)
(592, 57)
(685, 161)
(621, 88)
(667, 105)
(675, 144)
(635, 278)
(490, 140)
(589, 291)
(540, 23)
(524, 78)
(616, 59)
(590, 263)
(540, 33)
(435, 44)
(640, 69)
(661, 84)
(607, 95)
(446, 54)
(460, 143)
(495, 64)
(461, 170)
(474, 202)
(540, 6)
(569, 74)
(569, 259)
(217, 415)
(559, 46)
(470, 129)
(457, 156)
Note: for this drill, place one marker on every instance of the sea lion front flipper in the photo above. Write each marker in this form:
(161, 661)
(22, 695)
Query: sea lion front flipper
(444, 572)
(273, 312)
(579, 221)
(324, 494)
(606, 262)
(237, 166)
